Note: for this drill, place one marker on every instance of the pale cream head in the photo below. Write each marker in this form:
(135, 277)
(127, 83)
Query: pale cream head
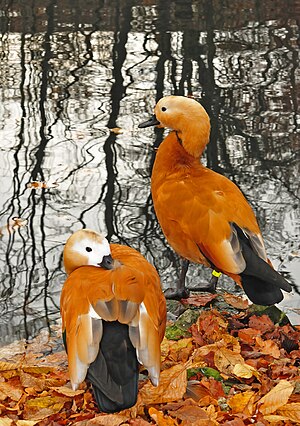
(188, 118)
(86, 247)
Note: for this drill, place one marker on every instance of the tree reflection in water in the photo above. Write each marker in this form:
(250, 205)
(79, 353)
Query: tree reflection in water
(70, 72)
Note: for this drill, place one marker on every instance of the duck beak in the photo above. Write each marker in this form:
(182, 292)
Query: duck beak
(152, 122)
(107, 262)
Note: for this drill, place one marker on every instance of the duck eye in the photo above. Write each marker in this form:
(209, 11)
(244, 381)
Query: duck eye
(164, 109)
(88, 249)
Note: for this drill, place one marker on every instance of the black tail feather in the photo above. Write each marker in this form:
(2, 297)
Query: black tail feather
(114, 374)
(260, 281)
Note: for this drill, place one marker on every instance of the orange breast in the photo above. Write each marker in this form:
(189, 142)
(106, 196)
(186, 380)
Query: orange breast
(195, 206)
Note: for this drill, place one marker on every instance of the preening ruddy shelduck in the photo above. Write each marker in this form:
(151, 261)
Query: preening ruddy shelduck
(113, 318)
(203, 215)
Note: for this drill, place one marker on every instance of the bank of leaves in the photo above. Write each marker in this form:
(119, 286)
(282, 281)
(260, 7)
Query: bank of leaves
(225, 368)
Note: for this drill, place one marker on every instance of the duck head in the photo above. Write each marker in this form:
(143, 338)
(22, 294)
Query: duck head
(187, 118)
(86, 247)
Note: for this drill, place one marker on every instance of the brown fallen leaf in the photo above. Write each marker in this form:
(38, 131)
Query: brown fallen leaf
(267, 347)
(64, 390)
(263, 323)
(41, 185)
(235, 301)
(276, 398)
(199, 300)
(107, 420)
(172, 386)
(11, 390)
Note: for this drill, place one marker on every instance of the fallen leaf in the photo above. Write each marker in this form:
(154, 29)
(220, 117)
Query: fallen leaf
(276, 398)
(108, 420)
(192, 415)
(263, 323)
(242, 403)
(5, 421)
(64, 390)
(5, 366)
(291, 411)
(199, 300)
(226, 359)
(116, 130)
(248, 335)
(10, 390)
(160, 419)
(244, 371)
(172, 386)
(26, 422)
(235, 301)
(267, 347)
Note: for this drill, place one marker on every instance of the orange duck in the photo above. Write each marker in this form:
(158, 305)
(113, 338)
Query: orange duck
(204, 216)
(113, 318)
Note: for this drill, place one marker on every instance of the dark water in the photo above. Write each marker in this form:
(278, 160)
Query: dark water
(70, 70)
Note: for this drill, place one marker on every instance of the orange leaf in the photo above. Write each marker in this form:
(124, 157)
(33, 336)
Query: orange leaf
(268, 347)
(6, 366)
(235, 301)
(248, 335)
(11, 391)
(64, 390)
(242, 403)
(160, 419)
(172, 386)
(117, 130)
(199, 300)
(226, 359)
(276, 398)
(108, 420)
(291, 411)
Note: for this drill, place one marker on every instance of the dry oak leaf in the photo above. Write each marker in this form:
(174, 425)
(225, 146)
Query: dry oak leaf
(160, 419)
(276, 398)
(172, 386)
(290, 411)
(267, 347)
(108, 420)
(235, 301)
(242, 403)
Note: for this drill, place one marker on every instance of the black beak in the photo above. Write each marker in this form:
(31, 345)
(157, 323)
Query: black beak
(152, 122)
(107, 262)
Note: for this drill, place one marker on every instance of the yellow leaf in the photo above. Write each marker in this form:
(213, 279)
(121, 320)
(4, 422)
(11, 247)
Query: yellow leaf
(160, 419)
(5, 421)
(45, 401)
(291, 411)
(26, 422)
(5, 366)
(64, 390)
(172, 386)
(276, 398)
(244, 370)
(242, 403)
(225, 360)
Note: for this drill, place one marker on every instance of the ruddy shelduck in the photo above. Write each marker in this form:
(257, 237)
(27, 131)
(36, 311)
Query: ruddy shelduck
(204, 216)
(113, 318)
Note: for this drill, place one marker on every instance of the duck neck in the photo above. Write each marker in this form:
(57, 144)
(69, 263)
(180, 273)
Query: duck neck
(194, 138)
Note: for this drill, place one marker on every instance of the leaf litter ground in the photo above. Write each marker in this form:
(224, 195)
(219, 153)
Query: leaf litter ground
(222, 364)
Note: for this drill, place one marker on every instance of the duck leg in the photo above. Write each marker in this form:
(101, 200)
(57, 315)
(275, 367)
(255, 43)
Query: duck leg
(181, 292)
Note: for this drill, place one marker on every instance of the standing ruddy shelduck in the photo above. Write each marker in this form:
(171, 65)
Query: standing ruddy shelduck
(204, 216)
(113, 318)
